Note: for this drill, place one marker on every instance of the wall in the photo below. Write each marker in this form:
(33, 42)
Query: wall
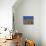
(6, 16)
(29, 8)
(43, 22)
(6, 13)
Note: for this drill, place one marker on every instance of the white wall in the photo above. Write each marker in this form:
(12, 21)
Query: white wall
(37, 9)
(6, 13)
(43, 22)
(29, 8)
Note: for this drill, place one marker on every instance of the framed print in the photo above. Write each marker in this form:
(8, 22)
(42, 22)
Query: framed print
(28, 20)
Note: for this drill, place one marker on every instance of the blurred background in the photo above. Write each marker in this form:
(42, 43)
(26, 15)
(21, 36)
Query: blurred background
(36, 8)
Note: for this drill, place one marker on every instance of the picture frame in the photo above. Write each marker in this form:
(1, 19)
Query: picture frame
(28, 20)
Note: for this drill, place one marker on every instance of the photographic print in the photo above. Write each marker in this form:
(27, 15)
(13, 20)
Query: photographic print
(28, 20)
